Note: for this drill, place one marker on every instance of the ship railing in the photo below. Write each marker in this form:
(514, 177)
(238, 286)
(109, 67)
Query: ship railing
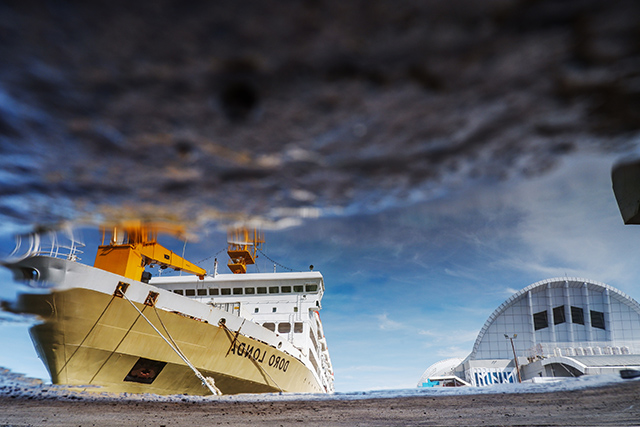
(61, 244)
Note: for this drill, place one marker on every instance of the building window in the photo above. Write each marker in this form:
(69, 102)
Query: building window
(597, 319)
(540, 320)
(273, 289)
(577, 315)
(298, 288)
(190, 292)
(311, 288)
(558, 315)
(250, 291)
(213, 291)
(270, 326)
(202, 292)
(297, 327)
(262, 290)
(225, 291)
(284, 328)
(237, 291)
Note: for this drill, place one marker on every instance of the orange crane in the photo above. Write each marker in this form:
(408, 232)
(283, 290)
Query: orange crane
(133, 245)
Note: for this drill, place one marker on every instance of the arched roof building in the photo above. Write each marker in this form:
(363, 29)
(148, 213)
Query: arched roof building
(562, 327)
(561, 313)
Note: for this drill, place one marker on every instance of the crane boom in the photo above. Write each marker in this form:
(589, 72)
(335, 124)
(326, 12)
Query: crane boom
(133, 246)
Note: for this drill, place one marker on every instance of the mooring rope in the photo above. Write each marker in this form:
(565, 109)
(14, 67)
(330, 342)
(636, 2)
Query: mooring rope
(86, 336)
(206, 381)
(253, 359)
(117, 346)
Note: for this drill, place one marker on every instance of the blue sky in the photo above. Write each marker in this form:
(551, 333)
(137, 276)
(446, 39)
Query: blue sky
(412, 285)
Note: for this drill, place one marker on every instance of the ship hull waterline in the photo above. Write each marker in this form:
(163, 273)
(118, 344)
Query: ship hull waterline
(89, 338)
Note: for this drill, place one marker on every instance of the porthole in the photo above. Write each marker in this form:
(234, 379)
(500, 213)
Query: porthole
(30, 273)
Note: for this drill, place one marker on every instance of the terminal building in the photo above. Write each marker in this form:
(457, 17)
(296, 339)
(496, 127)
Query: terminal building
(563, 327)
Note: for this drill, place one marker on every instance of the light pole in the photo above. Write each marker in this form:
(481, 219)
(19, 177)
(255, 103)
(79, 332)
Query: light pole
(515, 358)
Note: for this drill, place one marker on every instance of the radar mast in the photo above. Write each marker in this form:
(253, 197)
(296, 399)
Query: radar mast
(243, 246)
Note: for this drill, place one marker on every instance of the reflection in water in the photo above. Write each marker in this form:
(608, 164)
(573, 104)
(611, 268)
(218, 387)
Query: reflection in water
(201, 115)
(93, 321)
(409, 286)
(425, 156)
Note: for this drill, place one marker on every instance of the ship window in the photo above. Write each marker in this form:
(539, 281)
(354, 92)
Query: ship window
(558, 315)
(255, 310)
(270, 326)
(597, 319)
(297, 327)
(262, 290)
(237, 291)
(250, 291)
(225, 291)
(190, 292)
(202, 292)
(299, 288)
(284, 328)
(540, 320)
(213, 291)
(577, 315)
(178, 291)
(273, 289)
(295, 309)
(311, 288)
(274, 309)
(286, 289)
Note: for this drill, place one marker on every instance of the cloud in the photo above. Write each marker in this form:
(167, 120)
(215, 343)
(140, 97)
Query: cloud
(387, 324)
(453, 351)
(449, 337)
(570, 225)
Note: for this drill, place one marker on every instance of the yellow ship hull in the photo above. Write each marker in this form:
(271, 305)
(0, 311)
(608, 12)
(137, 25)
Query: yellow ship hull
(90, 338)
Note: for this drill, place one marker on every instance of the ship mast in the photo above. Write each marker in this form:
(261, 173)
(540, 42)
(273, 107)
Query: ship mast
(242, 250)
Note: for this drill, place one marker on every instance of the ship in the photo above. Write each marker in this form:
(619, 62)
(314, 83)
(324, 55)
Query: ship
(124, 325)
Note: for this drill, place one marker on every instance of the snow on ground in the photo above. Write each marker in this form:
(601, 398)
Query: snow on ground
(15, 385)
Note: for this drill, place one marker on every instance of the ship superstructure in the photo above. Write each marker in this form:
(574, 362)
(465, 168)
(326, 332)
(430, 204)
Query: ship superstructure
(286, 304)
(114, 326)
